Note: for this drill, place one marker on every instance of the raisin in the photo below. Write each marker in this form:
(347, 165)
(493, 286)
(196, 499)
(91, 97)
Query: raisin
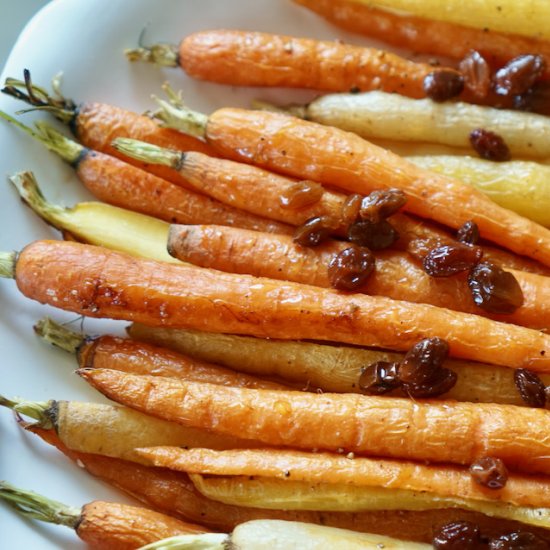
(530, 387)
(468, 233)
(489, 472)
(493, 289)
(518, 540)
(301, 194)
(518, 75)
(535, 99)
(477, 74)
(375, 236)
(438, 384)
(451, 259)
(419, 248)
(489, 146)
(314, 231)
(443, 84)
(423, 360)
(350, 268)
(350, 209)
(379, 205)
(458, 535)
(380, 377)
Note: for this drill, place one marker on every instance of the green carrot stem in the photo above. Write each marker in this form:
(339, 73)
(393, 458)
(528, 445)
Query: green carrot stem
(149, 153)
(205, 541)
(7, 264)
(162, 54)
(44, 412)
(58, 335)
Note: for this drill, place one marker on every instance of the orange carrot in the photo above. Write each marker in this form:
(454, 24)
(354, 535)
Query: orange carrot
(245, 58)
(96, 125)
(334, 157)
(264, 193)
(174, 494)
(451, 432)
(102, 525)
(427, 36)
(102, 283)
(120, 184)
(396, 275)
(440, 480)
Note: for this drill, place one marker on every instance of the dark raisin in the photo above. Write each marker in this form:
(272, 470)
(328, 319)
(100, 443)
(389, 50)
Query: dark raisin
(350, 268)
(379, 205)
(443, 84)
(314, 231)
(535, 99)
(350, 209)
(458, 535)
(380, 377)
(489, 146)
(423, 360)
(468, 233)
(493, 289)
(477, 74)
(375, 236)
(547, 394)
(519, 540)
(301, 194)
(489, 472)
(530, 387)
(438, 384)
(518, 75)
(419, 248)
(451, 259)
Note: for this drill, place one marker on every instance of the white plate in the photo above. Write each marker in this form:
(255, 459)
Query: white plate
(85, 40)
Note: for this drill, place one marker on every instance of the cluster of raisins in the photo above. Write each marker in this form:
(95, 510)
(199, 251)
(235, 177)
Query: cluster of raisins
(493, 289)
(464, 535)
(364, 222)
(420, 373)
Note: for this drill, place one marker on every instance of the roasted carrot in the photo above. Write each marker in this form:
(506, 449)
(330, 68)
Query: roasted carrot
(102, 525)
(441, 480)
(112, 352)
(120, 184)
(331, 156)
(96, 125)
(331, 368)
(174, 494)
(425, 35)
(396, 275)
(259, 59)
(101, 283)
(264, 193)
(452, 432)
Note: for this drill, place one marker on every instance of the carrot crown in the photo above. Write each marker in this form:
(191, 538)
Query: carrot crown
(62, 108)
(162, 53)
(204, 541)
(35, 506)
(58, 335)
(294, 109)
(44, 412)
(7, 264)
(148, 152)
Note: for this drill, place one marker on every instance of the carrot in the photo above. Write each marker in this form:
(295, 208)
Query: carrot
(427, 36)
(237, 185)
(453, 432)
(259, 59)
(396, 275)
(120, 184)
(123, 354)
(334, 157)
(96, 125)
(445, 481)
(101, 283)
(174, 494)
(102, 525)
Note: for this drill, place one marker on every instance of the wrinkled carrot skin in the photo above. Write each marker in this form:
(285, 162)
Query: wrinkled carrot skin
(173, 493)
(424, 35)
(396, 275)
(452, 432)
(123, 354)
(260, 59)
(439, 480)
(120, 184)
(96, 125)
(97, 282)
(112, 526)
(331, 156)
(259, 191)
